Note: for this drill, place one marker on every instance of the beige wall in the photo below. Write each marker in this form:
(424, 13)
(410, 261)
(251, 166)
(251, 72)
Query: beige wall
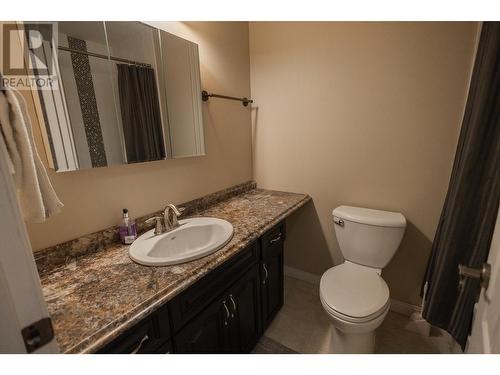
(352, 113)
(94, 198)
(364, 114)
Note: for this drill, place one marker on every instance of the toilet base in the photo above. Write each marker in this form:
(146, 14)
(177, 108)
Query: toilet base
(351, 343)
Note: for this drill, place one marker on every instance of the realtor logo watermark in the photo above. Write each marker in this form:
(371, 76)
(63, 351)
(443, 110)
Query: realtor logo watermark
(28, 59)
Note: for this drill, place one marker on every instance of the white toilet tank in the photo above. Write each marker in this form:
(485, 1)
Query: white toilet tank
(368, 237)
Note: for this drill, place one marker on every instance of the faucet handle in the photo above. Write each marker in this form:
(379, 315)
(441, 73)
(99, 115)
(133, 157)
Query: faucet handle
(159, 225)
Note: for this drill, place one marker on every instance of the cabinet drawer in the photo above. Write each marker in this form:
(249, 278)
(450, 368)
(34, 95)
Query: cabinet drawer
(140, 339)
(272, 240)
(186, 305)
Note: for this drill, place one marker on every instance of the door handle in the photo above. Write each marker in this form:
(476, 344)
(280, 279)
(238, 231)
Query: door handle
(234, 305)
(267, 274)
(483, 274)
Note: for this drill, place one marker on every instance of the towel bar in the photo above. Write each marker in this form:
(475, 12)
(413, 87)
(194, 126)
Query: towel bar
(205, 96)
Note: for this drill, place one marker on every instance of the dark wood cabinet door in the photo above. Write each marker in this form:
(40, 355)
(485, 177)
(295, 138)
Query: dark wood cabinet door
(208, 333)
(272, 284)
(244, 301)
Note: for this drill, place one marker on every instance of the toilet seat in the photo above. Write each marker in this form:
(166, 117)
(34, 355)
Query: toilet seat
(366, 319)
(354, 293)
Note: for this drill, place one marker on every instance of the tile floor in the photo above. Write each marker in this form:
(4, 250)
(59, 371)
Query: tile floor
(269, 346)
(302, 326)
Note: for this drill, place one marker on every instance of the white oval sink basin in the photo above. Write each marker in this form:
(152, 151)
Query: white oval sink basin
(192, 239)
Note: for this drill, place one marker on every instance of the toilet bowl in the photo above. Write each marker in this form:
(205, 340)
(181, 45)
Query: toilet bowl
(356, 300)
(354, 294)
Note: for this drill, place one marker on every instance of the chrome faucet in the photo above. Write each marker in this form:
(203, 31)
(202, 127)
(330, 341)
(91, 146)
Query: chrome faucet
(170, 215)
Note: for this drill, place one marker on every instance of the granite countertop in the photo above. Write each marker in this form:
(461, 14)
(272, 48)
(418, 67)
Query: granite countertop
(94, 298)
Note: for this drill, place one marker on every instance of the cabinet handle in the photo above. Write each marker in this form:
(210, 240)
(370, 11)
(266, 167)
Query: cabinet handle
(227, 313)
(146, 337)
(275, 239)
(267, 273)
(234, 305)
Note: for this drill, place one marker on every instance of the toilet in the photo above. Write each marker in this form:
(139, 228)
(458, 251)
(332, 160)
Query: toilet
(354, 294)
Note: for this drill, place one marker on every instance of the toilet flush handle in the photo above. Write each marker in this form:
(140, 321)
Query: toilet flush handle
(338, 221)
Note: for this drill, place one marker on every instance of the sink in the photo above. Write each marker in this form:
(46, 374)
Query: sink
(194, 238)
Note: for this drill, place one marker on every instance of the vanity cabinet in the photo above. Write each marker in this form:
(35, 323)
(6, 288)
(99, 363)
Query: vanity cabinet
(226, 311)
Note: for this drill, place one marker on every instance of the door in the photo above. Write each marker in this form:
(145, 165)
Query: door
(22, 302)
(272, 283)
(208, 333)
(244, 303)
(485, 336)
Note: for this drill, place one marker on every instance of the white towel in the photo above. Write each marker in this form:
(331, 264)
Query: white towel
(36, 194)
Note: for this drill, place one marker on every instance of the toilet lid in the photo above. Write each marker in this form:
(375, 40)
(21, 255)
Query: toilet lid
(354, 290)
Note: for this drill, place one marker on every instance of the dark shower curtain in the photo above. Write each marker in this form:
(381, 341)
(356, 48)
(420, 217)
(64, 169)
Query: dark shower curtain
(466, 225)
(140, 112)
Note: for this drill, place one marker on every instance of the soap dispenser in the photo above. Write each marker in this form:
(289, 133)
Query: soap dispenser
(127, 229)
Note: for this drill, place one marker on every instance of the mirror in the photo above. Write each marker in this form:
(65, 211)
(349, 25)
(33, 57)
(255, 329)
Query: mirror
(182, 78)
(125, 93)
(135, 55)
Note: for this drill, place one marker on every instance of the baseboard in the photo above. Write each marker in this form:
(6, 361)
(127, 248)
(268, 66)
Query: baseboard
(404, 308)
(311, 278)
(308, 277)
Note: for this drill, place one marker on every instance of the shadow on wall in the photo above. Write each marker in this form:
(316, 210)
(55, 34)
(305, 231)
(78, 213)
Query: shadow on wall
(405, 271)
(306, 248)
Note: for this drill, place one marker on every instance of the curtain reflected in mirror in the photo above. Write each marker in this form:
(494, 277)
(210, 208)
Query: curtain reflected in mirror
(141, 118)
